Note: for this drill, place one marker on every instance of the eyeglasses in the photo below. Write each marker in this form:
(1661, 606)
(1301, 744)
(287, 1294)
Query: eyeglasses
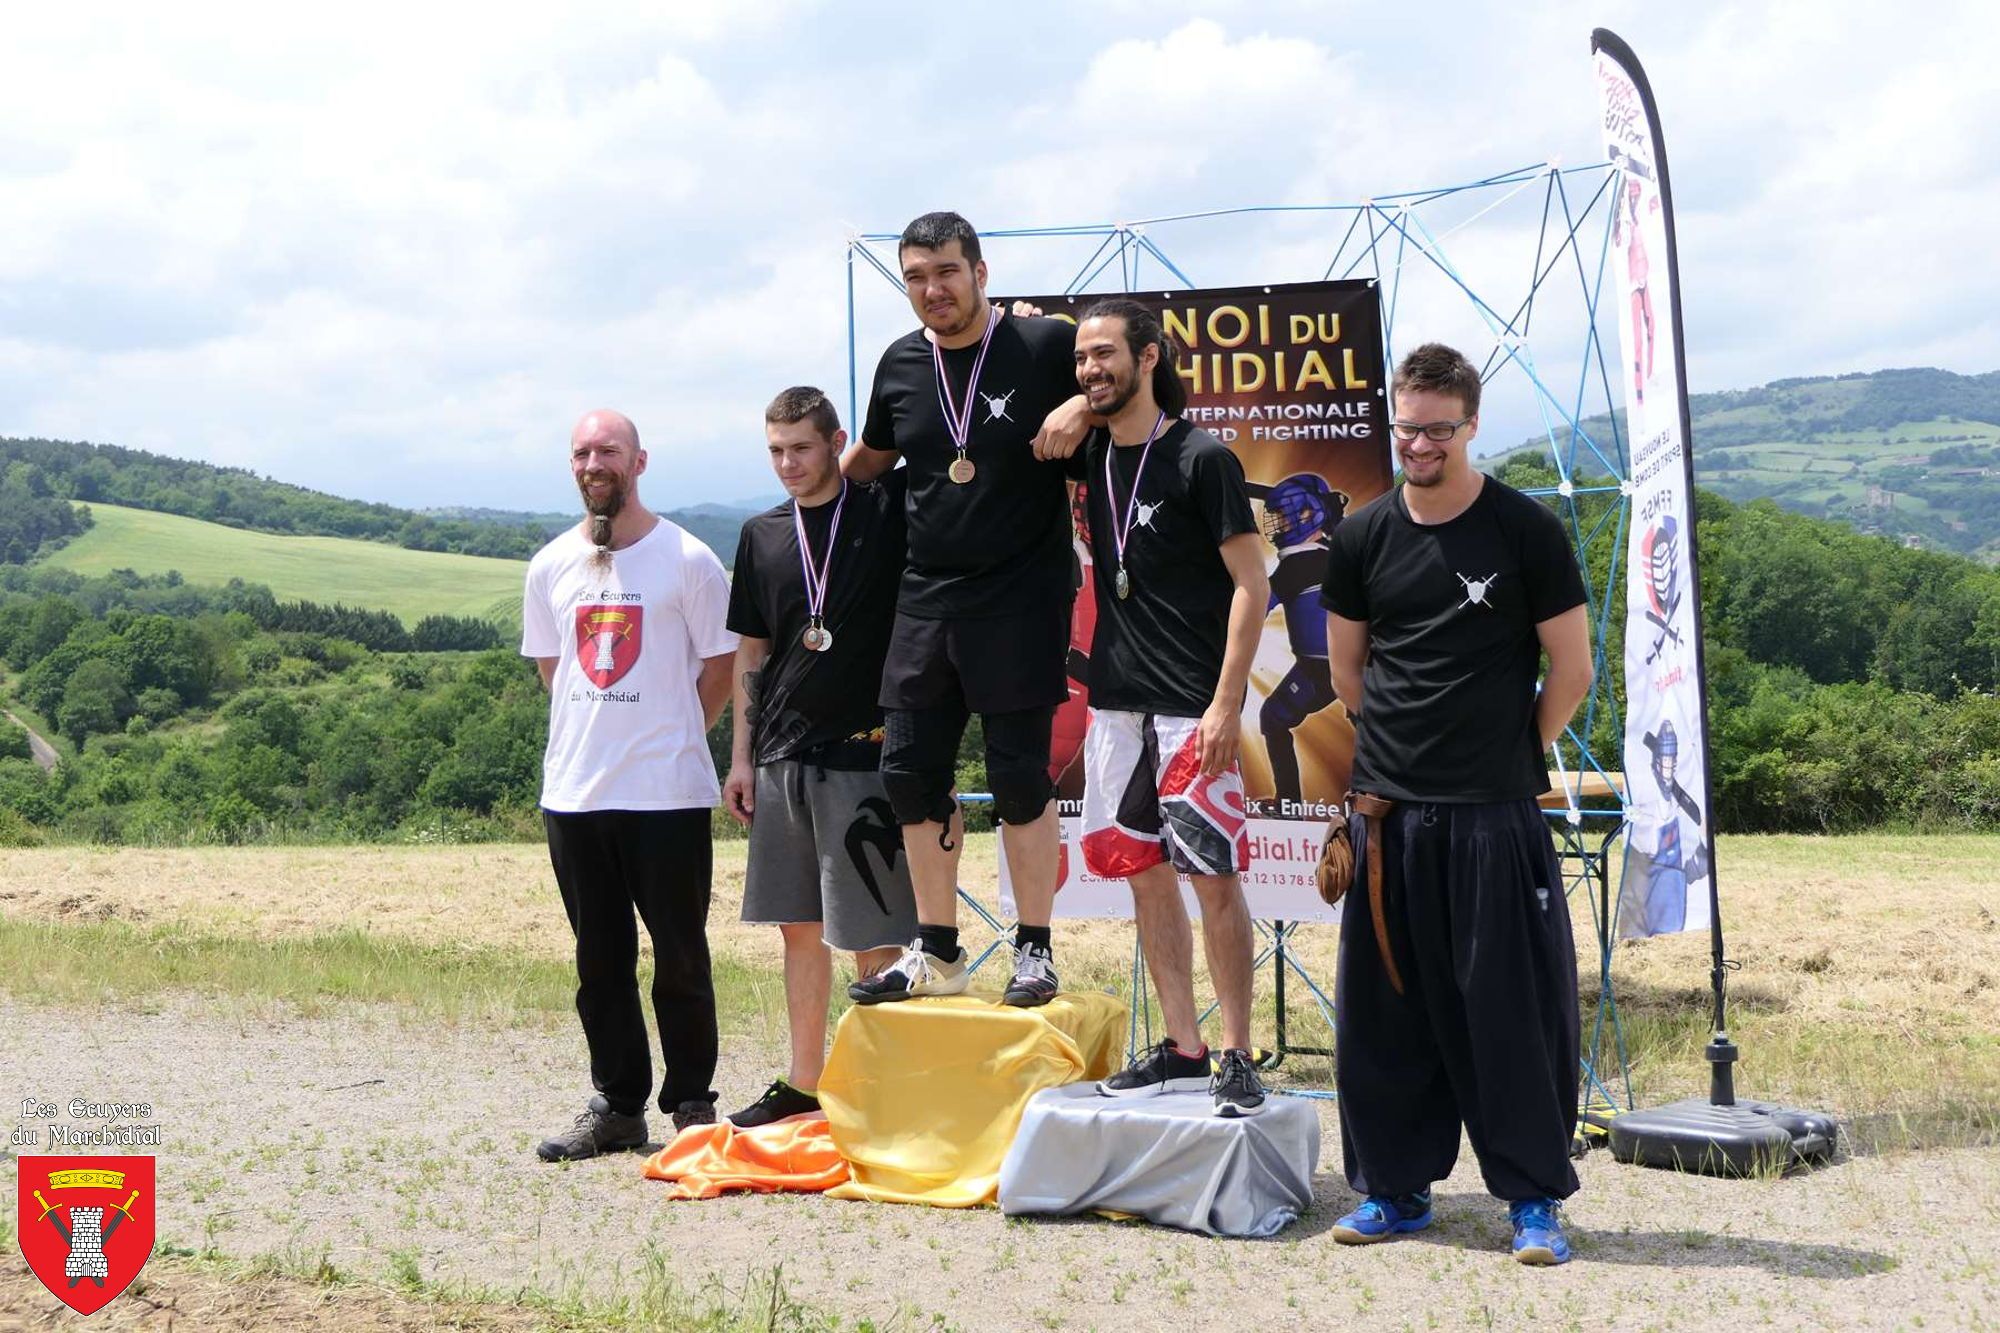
(1437, 432)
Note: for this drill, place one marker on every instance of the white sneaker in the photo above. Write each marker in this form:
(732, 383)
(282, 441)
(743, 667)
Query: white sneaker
(913, 974)
(1035, 981)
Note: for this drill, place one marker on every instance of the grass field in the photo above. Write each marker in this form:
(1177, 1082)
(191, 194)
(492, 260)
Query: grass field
(362, 1044)
(412, 584)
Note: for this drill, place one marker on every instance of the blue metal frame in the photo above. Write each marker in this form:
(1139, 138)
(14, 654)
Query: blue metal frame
(1399, 240)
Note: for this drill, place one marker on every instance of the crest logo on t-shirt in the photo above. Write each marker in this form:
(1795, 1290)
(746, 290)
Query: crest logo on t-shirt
(1476, 591)
(607, 641)
(996, 405)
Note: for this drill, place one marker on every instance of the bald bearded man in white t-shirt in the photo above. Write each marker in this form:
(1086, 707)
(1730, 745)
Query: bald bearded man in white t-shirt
(624, 615)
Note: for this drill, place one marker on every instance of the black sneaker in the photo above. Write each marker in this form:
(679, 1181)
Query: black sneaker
(1238, 1091)
(1158, 1069)
(693, 1113)
(1034, 980)
(780, 1102)
(598, 1130)
(914, 973)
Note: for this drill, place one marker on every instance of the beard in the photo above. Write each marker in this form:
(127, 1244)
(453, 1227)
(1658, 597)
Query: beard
(607, 506)
(1122, 394)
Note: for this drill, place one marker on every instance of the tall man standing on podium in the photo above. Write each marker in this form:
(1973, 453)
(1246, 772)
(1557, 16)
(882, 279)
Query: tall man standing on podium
(1181, 596)
(979, 403)
(813, 598)
(1456, 996)
(623, 615)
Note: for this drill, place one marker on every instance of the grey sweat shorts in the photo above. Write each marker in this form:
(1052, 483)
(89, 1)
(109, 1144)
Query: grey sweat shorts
(825, 847)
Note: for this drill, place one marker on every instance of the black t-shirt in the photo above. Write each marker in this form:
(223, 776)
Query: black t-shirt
(999, 544)
(1448, 695)
(803, 700)
(1160, 650)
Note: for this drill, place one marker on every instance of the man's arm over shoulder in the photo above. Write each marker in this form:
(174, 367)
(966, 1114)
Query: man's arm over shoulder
(876, 446)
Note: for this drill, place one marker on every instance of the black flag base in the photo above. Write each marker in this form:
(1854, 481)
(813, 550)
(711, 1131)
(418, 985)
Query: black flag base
(1722, 1136)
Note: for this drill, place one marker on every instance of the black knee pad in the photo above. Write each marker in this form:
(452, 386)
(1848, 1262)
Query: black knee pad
(1306, 688)
(1017, 764)
(1283, 709)
(918, 752)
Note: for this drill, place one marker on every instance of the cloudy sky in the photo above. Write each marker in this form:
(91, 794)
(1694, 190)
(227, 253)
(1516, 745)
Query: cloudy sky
(391, 251)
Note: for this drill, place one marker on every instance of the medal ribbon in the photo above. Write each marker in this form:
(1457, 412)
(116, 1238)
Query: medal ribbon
(1119, 531)
(816, 578)
(957, 422)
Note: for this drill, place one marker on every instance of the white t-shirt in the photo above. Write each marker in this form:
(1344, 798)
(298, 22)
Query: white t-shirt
(625, 724)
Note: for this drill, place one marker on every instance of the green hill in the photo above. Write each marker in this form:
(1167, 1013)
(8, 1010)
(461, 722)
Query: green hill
(1907, 454)
(411, 584)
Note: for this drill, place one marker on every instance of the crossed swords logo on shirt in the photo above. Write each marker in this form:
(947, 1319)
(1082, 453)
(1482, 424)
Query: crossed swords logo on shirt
(1476, 590)
(86, 1236)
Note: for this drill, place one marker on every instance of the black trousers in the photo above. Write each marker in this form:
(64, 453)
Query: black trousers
(607, 863)
(1486, 1031)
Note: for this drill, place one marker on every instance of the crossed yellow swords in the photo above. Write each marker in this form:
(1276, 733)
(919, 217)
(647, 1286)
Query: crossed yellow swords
(124, 1210)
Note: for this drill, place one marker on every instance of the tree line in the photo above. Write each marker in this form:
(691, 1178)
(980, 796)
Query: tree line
(50, 474)
(1852, 684)
(1851, 681)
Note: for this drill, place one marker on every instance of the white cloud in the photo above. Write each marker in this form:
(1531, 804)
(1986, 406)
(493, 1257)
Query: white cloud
(394, 251)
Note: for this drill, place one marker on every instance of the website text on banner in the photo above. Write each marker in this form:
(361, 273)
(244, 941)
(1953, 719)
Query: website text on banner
(1290, 377)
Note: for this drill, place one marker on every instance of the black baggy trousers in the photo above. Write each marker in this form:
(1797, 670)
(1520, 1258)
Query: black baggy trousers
(607, 863)
(1485, 1033)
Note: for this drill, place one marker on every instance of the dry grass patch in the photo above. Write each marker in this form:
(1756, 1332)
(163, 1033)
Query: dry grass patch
(1869, 981)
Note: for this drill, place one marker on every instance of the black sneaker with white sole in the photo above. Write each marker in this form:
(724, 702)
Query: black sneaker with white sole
(1238, 1091)
(1158, 1069)
(598, 1130)
(1034, 980)
(780, 1102)
(913, 974)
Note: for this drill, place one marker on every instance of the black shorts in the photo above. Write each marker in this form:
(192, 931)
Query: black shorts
(1003, 665)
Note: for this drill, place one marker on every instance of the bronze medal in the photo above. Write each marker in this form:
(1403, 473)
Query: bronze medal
(961, 470)
(817, 638)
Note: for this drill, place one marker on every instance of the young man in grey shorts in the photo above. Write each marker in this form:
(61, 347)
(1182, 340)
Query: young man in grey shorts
(813, 599)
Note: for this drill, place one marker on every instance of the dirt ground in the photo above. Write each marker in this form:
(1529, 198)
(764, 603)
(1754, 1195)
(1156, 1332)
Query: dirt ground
(397, 1152)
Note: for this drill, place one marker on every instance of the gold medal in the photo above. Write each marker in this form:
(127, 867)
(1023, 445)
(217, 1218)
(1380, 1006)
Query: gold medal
(961, 470)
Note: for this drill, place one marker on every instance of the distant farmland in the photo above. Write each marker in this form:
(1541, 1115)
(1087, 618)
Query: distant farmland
(412, 584)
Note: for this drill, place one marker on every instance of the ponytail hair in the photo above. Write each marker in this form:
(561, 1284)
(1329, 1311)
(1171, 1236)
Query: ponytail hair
(1142, 330)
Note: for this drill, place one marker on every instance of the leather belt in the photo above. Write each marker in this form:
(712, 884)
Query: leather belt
(1374, 809)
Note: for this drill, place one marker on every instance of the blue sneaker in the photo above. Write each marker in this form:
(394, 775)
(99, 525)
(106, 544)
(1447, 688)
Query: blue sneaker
(1538, 1232)
(1379, 1217)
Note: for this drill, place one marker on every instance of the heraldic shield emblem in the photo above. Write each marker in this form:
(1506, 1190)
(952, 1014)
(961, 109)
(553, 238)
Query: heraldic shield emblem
(607, 641)
(85, 1224)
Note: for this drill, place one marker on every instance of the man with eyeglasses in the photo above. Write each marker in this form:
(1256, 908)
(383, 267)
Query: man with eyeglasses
(1456, 999)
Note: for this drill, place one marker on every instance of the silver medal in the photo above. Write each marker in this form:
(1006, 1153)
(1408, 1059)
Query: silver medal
(817, 638)
(1123, 583)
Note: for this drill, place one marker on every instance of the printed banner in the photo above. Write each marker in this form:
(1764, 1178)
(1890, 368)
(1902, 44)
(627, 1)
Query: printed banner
(1668, 850)
(1290, 377)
